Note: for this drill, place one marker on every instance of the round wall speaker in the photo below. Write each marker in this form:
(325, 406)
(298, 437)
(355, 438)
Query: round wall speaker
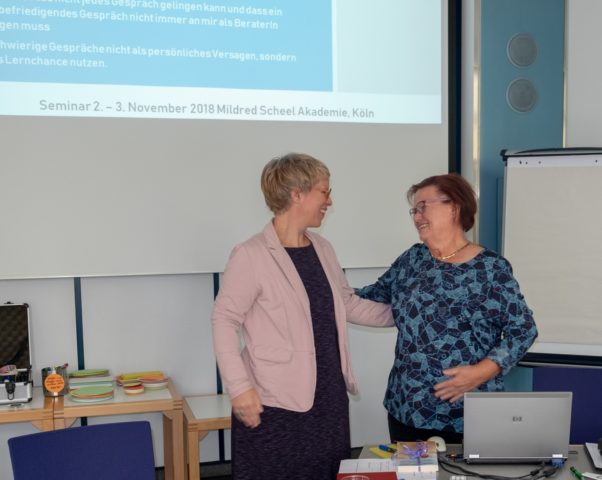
(522, 49)
(521, 95)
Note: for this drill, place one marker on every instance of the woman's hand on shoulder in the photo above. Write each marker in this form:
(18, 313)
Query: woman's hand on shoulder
(465, 378)
(247, 408)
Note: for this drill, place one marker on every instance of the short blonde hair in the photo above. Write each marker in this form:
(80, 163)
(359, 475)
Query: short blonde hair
(293, 171)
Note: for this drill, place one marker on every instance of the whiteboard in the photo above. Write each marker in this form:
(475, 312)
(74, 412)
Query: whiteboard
(552, 236)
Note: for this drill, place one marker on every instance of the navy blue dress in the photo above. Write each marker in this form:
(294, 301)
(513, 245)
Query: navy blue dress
(310, 445)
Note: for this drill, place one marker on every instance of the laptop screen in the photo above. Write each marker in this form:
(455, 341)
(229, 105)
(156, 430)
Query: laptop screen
(516, 427)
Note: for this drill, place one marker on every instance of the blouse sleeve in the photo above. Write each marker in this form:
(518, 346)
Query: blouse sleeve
(518, 329)
(380, 291)
(358, 310)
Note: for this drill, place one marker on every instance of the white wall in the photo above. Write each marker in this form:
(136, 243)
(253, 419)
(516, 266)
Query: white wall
(583, 73)
(470, 41)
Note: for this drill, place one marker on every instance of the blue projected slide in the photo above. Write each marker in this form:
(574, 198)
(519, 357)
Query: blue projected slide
(150, 42)
(310, 60)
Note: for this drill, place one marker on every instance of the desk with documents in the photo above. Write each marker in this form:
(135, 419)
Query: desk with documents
(578, 458)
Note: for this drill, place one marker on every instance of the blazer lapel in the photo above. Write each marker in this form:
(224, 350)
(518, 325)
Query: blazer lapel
(326, 265)
(287, 267)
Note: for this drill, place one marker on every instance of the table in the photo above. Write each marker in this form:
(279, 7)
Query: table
(166, 401)
(203, 414)
(578, 458)
(38, 412)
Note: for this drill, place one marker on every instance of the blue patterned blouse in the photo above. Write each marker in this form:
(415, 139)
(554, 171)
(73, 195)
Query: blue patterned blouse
(448, 314)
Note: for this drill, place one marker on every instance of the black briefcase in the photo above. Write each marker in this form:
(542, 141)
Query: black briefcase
(15, 349)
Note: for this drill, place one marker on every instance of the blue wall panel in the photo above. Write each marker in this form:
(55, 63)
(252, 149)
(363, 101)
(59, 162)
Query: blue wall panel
(501, 126)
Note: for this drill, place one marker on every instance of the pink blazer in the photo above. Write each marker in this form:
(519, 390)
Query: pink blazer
(262, 295)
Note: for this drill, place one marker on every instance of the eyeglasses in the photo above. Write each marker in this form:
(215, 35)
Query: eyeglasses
(326, 193)
(420, 207)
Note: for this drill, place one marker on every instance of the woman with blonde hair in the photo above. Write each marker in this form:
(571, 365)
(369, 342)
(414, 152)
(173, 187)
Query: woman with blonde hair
(285, 291)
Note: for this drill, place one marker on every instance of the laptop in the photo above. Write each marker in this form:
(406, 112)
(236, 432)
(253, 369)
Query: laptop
(516, 427)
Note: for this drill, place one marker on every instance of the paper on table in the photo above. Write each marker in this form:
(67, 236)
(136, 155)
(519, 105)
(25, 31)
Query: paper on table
(358, 465)
(416, 475)
(367, 465)
(594, 454)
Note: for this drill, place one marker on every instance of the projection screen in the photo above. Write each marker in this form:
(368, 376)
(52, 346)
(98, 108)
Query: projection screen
(134, 131)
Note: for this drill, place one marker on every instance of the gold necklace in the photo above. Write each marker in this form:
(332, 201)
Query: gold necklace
(454, 253)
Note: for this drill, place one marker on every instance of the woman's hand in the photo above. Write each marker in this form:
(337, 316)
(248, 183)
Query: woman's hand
(465, 378)
(247, 408)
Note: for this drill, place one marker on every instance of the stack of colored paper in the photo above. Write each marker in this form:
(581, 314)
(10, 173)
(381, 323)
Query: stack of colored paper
(124, 378)
(90, 378)
(151, 380)
(133, 387)
(91, 394)
(154, 382)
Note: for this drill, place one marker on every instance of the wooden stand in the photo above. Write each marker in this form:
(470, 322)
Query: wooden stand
(202, 415)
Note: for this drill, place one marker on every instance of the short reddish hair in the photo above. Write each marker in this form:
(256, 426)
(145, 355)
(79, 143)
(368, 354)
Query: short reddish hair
(457, 189)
